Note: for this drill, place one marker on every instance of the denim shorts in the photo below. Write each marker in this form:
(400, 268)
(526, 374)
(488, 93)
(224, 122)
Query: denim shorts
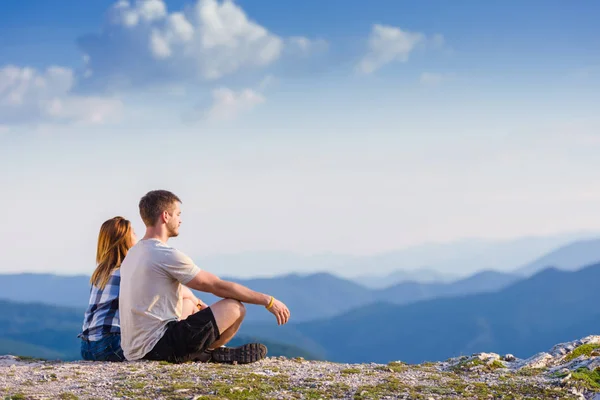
(106, 349)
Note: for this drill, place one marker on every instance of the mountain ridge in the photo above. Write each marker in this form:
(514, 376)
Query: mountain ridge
(524, 316)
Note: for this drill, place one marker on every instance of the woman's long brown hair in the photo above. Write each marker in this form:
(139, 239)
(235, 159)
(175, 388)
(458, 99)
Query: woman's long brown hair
(114, 241)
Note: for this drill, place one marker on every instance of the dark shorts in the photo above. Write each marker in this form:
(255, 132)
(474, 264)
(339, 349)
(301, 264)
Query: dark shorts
(184, 340)
(106, 349)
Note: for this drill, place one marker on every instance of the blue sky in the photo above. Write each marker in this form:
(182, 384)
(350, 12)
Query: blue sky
(339, 126)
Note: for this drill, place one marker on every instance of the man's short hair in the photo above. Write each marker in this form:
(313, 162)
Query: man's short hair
(154, 203)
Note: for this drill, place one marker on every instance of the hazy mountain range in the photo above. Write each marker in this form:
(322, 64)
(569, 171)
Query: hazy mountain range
(454, 259)
(421, 275)
(569, 257)
(527, 317)
(321, 295)
(308, 297)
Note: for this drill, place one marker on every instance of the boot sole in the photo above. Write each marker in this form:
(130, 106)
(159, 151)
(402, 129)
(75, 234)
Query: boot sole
(244, 354)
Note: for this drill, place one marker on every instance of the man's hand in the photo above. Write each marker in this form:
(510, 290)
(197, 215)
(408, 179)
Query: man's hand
(280, 311)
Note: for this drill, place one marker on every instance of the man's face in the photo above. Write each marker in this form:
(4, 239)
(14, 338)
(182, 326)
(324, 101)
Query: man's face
(174, 220)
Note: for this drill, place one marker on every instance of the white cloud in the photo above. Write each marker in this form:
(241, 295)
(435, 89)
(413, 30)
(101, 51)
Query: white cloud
(228, 104)
(144, 43)
(143, 10)
(159, 45)
(388, 44)
(30, 96)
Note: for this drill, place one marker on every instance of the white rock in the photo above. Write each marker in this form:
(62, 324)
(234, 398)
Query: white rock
(540, 360)
(487, 356)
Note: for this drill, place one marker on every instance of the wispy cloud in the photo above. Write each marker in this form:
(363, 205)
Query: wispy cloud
(391, 44)
(143, 43)
(28, 95)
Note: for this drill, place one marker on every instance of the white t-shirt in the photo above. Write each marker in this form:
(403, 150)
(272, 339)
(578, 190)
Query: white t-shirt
(151, 278)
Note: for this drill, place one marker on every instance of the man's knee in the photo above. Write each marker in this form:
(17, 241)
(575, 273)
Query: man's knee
(228, 312)
(239, 308)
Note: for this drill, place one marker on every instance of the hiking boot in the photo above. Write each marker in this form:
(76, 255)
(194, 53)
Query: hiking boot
(247, 353)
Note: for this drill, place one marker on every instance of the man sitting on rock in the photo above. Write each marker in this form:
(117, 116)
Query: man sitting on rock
(157, 323)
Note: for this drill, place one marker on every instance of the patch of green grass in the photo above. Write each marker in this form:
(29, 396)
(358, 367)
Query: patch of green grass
(590, 379)
(177, 374)
(397, 366)
(67, 396)
(467, 365)
(480, 389)
(16, 396)
(350, 371)
(27, 358)
(583, 350)
(391, 387)
(456, 385)
(496, 364)
(235, 386)
(527, 371)
(137, 385)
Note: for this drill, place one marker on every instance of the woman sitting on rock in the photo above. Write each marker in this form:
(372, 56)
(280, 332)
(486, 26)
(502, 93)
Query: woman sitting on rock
(101, 336)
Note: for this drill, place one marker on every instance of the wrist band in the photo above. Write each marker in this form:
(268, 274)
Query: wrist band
(271, 302)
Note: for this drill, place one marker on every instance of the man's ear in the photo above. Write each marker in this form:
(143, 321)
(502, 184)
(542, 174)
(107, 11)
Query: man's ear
(164, 216)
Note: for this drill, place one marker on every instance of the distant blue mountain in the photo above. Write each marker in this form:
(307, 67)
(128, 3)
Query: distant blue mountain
(420, 275)
(50, 332)
(309, 297)
(569, 258)
(69, 291)
(457, 259)
(527, 317)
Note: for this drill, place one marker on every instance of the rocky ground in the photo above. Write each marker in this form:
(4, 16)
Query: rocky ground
(568, 371)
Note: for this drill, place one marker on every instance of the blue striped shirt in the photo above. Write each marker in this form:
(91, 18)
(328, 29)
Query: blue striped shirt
(102, 314)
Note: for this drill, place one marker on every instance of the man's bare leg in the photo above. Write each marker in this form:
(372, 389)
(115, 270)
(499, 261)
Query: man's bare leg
(229, 315)
(189, 308)
(189, 301)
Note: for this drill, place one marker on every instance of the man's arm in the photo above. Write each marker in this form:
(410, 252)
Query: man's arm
(207, 282)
